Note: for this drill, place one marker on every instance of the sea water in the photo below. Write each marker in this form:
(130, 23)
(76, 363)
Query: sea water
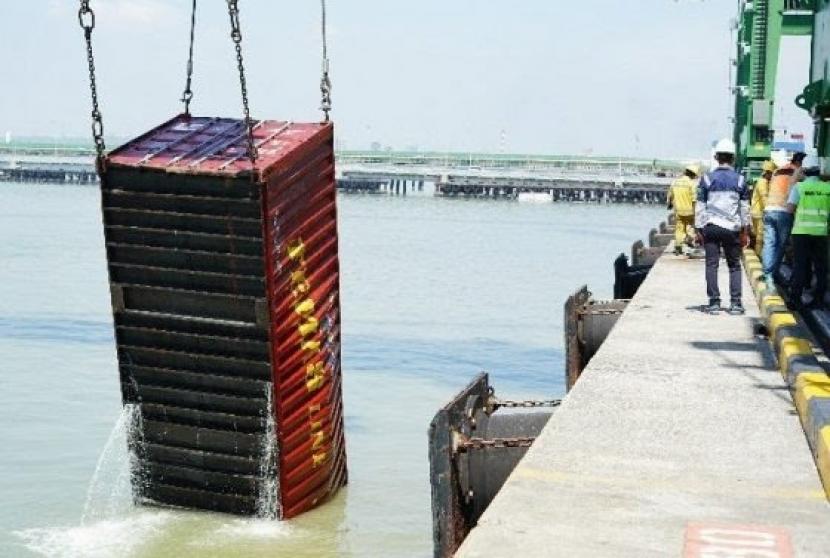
(433, 291)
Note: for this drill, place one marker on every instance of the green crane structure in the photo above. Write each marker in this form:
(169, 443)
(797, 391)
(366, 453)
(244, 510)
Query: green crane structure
(816, 96)
(761, 24)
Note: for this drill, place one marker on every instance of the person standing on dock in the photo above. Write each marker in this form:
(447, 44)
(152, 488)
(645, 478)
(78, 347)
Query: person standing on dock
(682, 200)
(778, 222)
(759, 201)
(722, 221)
(809, 201)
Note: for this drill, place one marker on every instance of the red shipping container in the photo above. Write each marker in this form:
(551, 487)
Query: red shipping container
(225, 290)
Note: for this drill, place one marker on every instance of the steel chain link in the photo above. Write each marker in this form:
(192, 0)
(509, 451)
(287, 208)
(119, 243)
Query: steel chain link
(495, 443)
(187, 95)
(236, 36)
(86, 18)
(325, 80)
(525, 404)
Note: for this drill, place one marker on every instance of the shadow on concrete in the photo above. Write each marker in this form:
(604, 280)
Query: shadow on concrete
(729, 346)
(697, 308)
(771, 387)
(768, 366)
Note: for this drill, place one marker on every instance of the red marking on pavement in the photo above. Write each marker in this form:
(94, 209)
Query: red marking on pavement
(712, 540)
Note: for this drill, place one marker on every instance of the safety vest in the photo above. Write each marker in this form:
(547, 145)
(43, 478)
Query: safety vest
(683, 192)
(813, 208)
(779, 188)
(759, 198)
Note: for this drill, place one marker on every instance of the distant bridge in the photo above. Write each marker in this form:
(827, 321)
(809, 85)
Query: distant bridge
(453, 174)
(516, 162)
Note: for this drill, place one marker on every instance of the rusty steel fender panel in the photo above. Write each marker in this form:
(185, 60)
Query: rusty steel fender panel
(587, 324)
(449, 517)
(472, 450)
(225, 287)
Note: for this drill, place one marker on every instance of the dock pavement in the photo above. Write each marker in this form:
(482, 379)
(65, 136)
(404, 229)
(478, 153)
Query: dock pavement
(681, 438)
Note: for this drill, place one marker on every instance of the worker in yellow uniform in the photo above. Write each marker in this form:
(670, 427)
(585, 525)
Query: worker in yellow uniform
(682, 194)
(759, 201)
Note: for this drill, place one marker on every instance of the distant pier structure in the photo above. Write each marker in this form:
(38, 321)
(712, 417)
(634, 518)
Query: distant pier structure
(557, 179)
(48, 170)
(49, 176)
(561, 179)
(506, 185)
(587, 189)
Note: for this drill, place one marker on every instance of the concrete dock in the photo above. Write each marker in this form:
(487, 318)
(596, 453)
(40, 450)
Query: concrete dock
(680, 439)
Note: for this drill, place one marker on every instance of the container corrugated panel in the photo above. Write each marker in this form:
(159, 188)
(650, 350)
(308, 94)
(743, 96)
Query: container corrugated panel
(225, 291)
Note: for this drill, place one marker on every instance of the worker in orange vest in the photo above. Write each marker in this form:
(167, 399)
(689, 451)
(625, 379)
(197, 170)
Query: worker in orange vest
(682, 199)
(759, 200)
(778, 222)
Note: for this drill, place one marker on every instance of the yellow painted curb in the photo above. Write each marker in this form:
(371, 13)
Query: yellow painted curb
(807, 386)
(790, 347)
(759, 289)
(823, 457)
(779, 320)
(771, 300)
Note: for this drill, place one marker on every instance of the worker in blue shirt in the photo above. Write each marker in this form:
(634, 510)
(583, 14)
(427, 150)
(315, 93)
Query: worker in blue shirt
(722, 221)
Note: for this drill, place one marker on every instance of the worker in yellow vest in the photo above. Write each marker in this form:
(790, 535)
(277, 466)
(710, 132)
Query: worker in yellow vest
(810, 202)
(682, 195)
(759, 201)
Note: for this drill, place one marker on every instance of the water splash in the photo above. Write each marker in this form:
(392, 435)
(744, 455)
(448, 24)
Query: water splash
(111, 538)
(110, 492)
(111, 526)
(267, 505)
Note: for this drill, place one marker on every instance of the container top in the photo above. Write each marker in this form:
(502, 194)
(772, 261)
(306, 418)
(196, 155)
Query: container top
(215, 146)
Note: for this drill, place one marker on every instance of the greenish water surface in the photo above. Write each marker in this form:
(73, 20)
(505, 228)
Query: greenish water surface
(433, 291)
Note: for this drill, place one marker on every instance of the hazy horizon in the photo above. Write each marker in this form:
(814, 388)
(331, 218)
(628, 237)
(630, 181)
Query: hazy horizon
(591, 78)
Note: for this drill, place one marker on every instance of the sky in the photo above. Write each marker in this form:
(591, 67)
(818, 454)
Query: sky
(646, 78)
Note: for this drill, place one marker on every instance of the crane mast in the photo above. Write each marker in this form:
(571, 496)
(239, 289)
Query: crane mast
(761, 24)
(816, 96)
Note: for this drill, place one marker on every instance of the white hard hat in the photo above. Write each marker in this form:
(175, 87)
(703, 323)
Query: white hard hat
(780, 158)
(725, 145)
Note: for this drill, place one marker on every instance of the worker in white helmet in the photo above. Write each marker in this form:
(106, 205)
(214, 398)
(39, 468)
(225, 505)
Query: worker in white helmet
(682, 199)
(722, 221)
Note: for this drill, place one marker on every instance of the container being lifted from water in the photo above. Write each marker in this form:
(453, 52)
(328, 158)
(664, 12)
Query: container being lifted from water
(222, 248)
(225, 291)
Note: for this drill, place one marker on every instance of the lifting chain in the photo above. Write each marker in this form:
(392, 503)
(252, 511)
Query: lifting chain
(495, 443)
(524, 404)
(325, 80)
(187, 96)
(236, 36)
(86, 17)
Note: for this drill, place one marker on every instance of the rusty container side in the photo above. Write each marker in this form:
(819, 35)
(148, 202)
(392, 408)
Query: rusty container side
(211, 335)
(303, 284)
